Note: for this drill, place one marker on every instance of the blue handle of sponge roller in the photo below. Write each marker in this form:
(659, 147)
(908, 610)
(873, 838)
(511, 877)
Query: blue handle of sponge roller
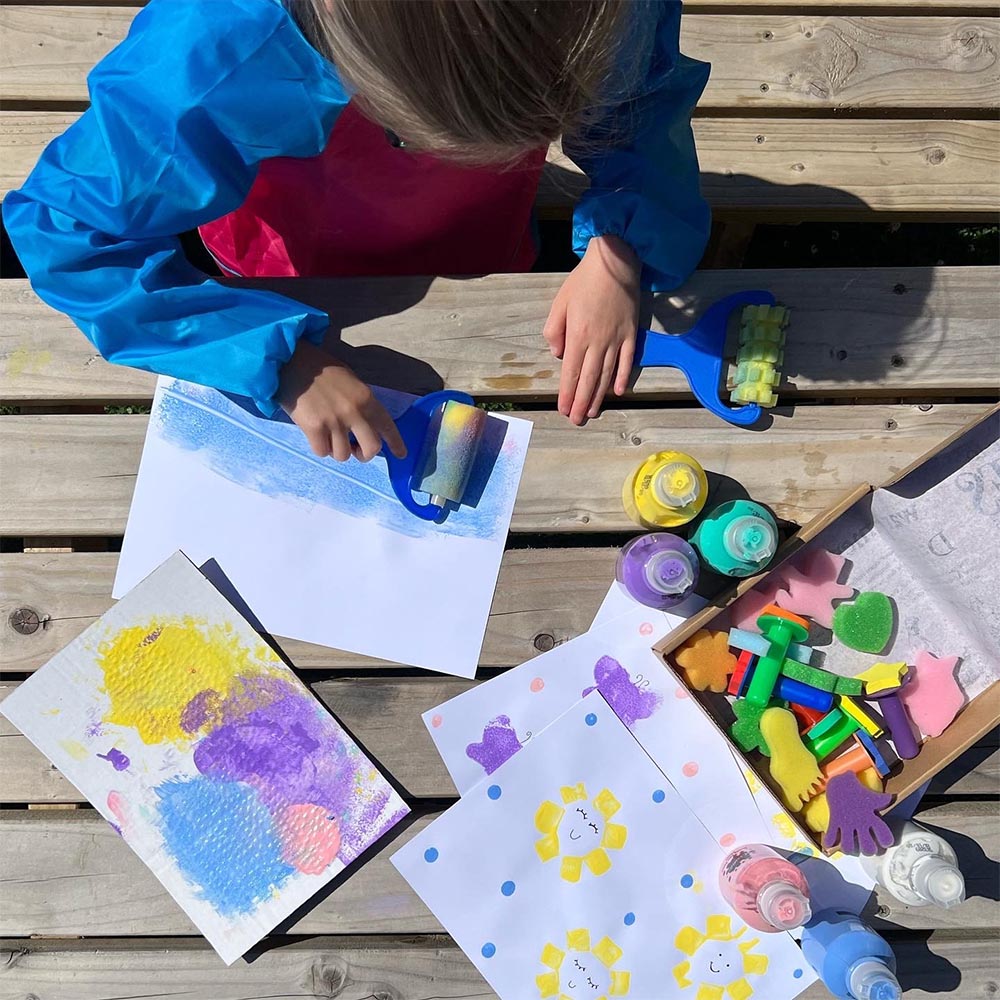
(699, 354)
(413, 425)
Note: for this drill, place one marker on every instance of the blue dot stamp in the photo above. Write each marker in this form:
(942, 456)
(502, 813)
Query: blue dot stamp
(629, 919)
(431, 855)
(591, 719)
(488, 950)
(508, 888)
(494, 792)
(659, 795)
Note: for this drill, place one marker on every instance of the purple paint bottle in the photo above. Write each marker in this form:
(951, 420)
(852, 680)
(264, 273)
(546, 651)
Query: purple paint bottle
(658, 569)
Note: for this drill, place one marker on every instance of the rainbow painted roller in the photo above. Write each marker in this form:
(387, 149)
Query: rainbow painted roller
(442, 432)
(699, 354)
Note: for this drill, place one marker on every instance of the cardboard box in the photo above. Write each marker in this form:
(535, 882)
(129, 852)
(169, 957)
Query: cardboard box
(977, 718)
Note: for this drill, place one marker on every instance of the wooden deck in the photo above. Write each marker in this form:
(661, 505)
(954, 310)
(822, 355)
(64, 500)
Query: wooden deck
(854, 110)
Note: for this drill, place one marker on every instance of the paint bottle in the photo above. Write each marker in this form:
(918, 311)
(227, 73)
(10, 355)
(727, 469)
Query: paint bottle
(658, 569)
(920, 869)
(851, 959)
(767, 891)
(737, 538)
(667, 490)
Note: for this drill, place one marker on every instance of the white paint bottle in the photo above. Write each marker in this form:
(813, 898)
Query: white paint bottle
(920, 869)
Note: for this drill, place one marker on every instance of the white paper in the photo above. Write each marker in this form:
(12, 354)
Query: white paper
(479, 730)
(215, 763)
(578, 862)
(618, 602)
(319, 550)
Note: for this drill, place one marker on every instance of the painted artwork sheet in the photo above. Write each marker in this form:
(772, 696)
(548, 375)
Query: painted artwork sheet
(618, 602)
(213, 761)
(320, 550)
(577, 871)
(478, 731)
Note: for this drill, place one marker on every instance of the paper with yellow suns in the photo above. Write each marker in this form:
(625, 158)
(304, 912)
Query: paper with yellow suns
(576, 871)
(215, 764)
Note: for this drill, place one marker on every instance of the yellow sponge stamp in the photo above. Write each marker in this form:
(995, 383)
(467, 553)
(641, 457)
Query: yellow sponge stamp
(793, 767)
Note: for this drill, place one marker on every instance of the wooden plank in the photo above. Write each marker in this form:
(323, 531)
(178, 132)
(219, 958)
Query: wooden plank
(751, 167)
(70, 874)
(778, 61)
(880, 331)
(359, 968)
(385, 714)
(533, 608)
(74, 475)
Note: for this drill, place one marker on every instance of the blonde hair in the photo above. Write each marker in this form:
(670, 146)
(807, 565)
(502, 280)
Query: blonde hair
(474, 80)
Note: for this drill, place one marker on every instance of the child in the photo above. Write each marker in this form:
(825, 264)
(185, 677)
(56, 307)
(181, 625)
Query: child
(286, 152)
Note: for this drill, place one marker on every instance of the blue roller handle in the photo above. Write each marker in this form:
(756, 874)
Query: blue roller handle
(413, 426)
(699, 354)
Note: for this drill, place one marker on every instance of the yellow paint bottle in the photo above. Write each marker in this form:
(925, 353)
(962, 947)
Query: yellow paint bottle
(667, 490)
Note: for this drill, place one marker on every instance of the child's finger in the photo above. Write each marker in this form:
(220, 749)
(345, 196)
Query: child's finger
(369, 443)
(387, 430)
(626, 356)
(607, 373)
(572, 367)
(590, 375)
(554, 330)
(340, 444)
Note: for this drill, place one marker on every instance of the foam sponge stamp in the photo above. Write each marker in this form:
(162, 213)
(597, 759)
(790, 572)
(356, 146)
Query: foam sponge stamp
(746, 729)
(855, 824)
(867, 624)
(745, 610)
(816, 812)
(706, 661)
(793, 767)
(933, 698)
(804, 673)
(882, 677)
(442, 433)
(811, 586)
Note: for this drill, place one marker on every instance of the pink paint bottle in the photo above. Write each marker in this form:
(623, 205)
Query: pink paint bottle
(767, 892)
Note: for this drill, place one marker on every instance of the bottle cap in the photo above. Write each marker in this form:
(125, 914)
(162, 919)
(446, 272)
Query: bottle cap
(872, 979)
(670, 573)
(676, 485)
(751, 539)
(938, 881)
(783, 906)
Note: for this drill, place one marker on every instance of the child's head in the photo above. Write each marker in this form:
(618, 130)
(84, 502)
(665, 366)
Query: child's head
(478, 80)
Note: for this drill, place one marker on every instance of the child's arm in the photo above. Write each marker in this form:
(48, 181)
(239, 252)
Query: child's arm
(181, 114)
(642, 216)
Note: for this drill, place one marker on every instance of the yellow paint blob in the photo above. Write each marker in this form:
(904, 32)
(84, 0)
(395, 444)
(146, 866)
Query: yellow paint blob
(22, 361)
(76, 750)
(152, 670)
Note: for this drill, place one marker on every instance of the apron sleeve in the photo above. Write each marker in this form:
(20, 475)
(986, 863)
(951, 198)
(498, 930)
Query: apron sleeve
(640, 155)
(181, 114)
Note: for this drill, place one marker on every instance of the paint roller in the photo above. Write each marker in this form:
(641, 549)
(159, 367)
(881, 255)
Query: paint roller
(442, 432)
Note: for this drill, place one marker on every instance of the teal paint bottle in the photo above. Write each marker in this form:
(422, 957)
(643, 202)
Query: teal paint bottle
(738, 538)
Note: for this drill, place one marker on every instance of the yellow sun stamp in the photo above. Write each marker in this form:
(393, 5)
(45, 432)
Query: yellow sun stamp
(580, 831)
(582, 970)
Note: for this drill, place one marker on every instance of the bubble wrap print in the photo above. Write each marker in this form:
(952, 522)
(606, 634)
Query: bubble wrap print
(209, 757)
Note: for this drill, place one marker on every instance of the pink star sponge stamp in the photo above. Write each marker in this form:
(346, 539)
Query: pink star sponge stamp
(811, 586)
(933, 698)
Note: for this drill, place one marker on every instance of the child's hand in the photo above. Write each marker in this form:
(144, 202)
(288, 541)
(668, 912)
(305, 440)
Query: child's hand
(592, 326)
(330, 403)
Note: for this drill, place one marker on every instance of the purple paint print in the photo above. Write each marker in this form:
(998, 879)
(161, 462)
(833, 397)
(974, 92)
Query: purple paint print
(272, 735)
(116, 759)
(628, 700)
(499, 744)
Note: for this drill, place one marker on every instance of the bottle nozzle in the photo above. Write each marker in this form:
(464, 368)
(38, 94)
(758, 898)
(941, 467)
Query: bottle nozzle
(670, 573)
(783, 906)
(938, 881)
(676, 485)
(872, 979)
(751, 539)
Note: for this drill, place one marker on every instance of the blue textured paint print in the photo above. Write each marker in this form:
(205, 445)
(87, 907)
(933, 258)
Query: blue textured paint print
(223, 840)
(272, 457)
